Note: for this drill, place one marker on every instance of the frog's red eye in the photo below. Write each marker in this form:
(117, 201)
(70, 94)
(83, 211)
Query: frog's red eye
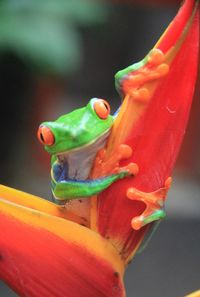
(102, 108)
(45, 135)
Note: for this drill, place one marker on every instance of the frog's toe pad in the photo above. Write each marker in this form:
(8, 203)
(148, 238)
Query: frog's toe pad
(132, 168)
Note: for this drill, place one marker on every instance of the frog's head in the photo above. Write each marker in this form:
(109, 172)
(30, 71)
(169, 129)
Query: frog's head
(78, 128)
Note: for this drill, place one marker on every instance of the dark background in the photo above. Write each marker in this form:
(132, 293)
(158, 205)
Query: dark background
(170, 266)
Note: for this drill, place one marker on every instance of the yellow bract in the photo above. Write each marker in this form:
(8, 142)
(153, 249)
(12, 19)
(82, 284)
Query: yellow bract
(195, 294)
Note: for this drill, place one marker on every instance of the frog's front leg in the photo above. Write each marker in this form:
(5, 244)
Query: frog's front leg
(73, 189)
(132, 79)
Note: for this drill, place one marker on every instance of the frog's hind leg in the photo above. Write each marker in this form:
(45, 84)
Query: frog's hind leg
(154, 202)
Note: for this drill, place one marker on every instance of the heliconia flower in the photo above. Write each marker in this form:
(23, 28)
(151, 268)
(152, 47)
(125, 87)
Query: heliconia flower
(46, 250)
(44, 254)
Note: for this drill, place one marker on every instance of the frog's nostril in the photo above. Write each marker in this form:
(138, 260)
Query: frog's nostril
(45, 136)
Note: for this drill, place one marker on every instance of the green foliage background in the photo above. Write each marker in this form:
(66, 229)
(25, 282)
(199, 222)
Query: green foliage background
(44, 33)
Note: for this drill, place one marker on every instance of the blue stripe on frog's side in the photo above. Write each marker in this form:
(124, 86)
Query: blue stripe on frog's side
(59, 172)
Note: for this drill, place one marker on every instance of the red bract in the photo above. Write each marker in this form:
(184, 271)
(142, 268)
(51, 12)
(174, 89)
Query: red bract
(156, 135)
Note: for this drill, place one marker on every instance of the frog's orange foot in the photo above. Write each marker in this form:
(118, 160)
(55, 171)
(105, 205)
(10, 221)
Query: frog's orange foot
(124, 152)
(154, 69)
(111, 165)
(154, 202)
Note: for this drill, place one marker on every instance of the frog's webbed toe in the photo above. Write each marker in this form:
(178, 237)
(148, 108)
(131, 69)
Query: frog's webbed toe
(154, 202)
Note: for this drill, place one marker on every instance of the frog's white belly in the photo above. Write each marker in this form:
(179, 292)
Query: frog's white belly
(79, 163)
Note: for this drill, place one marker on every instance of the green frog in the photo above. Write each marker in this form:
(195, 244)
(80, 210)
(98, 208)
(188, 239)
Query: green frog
(74, 140)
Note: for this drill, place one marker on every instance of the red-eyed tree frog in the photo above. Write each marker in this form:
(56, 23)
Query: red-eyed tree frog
(73, 140)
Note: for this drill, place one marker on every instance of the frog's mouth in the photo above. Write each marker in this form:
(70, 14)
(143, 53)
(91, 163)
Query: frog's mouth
(77, 163)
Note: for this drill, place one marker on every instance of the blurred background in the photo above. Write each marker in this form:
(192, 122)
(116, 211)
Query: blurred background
(55, 56)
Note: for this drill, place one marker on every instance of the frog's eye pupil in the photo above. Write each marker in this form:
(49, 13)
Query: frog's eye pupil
(102, 108)
(41, 137)
(106, 106)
